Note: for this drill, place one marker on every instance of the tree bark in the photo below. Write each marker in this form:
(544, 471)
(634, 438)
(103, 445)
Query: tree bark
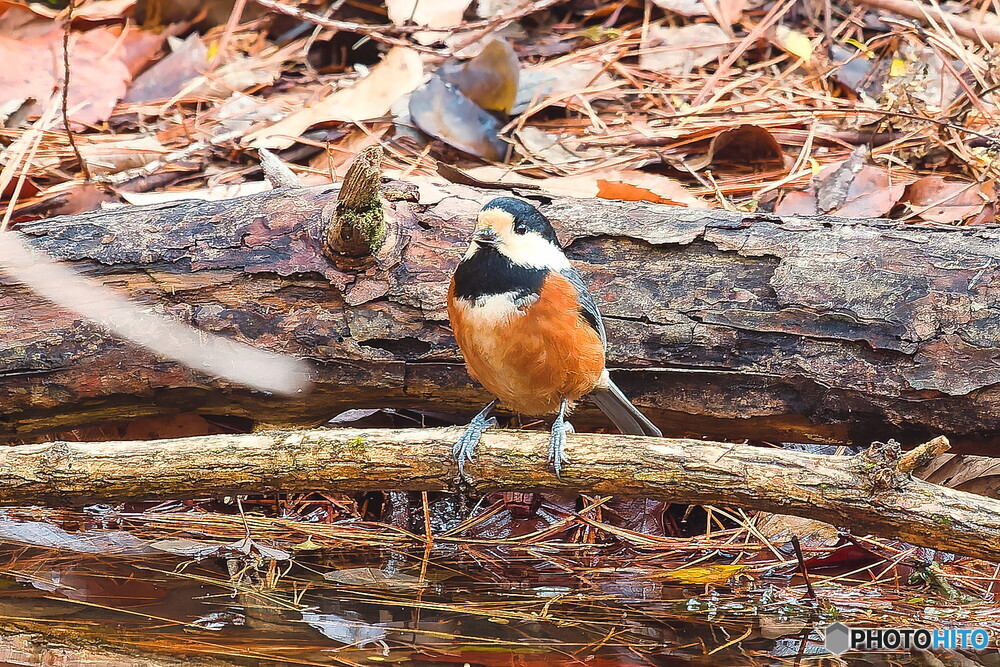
(723, 325)
(870, 492)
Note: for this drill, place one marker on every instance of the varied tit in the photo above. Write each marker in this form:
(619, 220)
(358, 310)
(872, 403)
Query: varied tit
(529, 330)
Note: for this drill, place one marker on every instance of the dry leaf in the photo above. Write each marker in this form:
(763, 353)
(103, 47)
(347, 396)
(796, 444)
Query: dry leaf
(731, 11)
(169, 76)
(973, 474)
(643, 186)
(627, 185)
(557, 150)
(703, 574)
(441, 110)
(850, 189)
(490, 79)
(33, 68)
(398, 74)
(794, 42)
(742, 145)
(546, 85)
(683, 7)
(122, 152)
(105, 10)
(780, 529)
(938, 200)
(437, 14)
(679, 50)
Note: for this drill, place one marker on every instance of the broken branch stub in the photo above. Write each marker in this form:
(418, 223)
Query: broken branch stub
(357, 227)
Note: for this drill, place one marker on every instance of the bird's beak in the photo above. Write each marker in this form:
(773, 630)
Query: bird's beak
(486, 237)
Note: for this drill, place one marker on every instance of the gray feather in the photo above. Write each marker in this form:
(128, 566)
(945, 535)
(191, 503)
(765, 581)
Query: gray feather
(588, 307)
(620, 410)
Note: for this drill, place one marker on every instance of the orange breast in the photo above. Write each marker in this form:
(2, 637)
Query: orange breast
(536, 356)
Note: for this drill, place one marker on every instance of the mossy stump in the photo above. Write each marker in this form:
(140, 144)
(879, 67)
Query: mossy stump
(358, 227)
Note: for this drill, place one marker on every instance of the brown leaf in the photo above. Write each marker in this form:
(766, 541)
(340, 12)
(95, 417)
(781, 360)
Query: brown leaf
(490, 79)
(171, 74)
(678, 50)
(33, 68)
(400, 72)
(642, 186)
(850, 189)
(973, 474)
(627, 185)
(746, 143)
(938, 200)
(437, 14)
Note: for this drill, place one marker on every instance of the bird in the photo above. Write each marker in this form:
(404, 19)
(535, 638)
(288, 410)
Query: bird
(529, 330)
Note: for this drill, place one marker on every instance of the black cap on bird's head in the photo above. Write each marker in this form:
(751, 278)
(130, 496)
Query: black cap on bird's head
(517, 230)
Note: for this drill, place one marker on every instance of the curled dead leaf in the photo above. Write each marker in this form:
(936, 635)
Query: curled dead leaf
(442, 111)
(936, 199)
(742, 145)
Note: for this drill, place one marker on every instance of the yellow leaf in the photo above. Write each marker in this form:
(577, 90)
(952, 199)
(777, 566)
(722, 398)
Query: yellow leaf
(794, 42)
(704, 574)
(898, 67)
(860, 46)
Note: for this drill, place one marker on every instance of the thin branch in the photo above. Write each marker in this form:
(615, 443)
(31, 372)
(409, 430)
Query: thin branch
(65, 93)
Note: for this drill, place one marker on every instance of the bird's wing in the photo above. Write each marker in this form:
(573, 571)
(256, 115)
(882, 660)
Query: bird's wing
(588, 307)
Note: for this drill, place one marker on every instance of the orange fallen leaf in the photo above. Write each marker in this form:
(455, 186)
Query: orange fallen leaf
(625, 185)
(642, 186)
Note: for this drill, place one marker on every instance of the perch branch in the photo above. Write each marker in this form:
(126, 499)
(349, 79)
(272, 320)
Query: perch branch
(867, 493)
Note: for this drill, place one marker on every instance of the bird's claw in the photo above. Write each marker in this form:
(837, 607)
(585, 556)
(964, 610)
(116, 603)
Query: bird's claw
(557, 443)
(466, 444)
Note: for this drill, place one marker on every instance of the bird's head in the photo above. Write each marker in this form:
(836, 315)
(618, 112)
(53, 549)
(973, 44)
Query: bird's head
(516, 230)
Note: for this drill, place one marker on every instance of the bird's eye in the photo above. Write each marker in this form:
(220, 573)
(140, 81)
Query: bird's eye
(520, 228)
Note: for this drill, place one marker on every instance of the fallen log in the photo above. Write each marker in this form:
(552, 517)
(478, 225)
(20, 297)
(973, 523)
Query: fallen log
(871, 492)
(723, 325)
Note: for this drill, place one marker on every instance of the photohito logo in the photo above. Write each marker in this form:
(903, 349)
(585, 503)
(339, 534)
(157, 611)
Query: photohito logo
(841, 638)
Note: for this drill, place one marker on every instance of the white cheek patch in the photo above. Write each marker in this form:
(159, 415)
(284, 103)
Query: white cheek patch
(533, 251)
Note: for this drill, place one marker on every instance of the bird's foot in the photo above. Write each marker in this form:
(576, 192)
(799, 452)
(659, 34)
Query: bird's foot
(466, 445)
(557, 441)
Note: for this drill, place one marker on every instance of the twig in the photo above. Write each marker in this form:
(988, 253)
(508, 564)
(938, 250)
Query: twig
(985, 32)
(65, 93)
(803, 569)
(922, 455)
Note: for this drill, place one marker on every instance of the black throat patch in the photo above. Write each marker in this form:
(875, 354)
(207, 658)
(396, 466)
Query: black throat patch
(488, 272)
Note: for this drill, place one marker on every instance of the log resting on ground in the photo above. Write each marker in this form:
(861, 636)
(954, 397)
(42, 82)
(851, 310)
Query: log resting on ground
(722, 325)
(871, 492)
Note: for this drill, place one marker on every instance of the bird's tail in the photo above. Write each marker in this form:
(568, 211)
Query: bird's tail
(612, 402)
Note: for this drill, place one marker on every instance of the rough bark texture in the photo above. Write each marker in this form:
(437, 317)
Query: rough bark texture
(729, 325)
(864, 492)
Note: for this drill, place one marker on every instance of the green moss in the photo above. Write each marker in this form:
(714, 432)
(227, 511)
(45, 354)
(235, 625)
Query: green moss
(369, 220)
(356, 444)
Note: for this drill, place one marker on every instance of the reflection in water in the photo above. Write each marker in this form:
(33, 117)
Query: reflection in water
(196, 589)
(425, 608)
